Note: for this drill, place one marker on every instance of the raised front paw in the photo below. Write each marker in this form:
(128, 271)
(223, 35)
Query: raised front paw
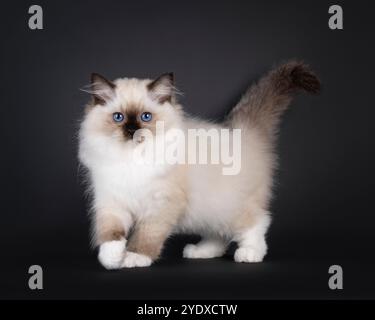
(111, 254)
(133, 260)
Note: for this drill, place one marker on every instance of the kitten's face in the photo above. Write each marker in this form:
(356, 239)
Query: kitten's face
(121, 108)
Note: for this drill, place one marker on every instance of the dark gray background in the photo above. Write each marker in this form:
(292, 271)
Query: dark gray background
(323, 212)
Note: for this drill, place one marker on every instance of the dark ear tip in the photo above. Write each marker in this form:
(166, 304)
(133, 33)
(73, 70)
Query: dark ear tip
(171, 75)
(166, 75)
(94, 76)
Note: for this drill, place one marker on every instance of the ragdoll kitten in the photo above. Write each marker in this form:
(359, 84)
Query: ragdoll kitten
(137, 206)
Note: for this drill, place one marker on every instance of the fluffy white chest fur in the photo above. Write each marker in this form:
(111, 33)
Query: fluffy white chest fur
(120, 181)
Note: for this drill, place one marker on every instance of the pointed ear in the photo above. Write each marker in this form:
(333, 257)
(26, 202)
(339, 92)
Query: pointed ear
(162, 89)
(101, 89)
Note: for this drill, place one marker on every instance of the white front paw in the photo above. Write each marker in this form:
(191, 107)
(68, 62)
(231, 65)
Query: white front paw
(133, 259)
(111, 254)
(249, 254)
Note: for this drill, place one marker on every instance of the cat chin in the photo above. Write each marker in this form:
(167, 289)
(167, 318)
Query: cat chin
(139, 140)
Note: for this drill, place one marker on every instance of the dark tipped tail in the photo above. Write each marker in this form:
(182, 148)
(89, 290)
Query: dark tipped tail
(263, 103)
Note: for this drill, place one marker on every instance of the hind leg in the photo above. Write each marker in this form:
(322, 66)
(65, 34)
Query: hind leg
(252, 246)
(205, 249)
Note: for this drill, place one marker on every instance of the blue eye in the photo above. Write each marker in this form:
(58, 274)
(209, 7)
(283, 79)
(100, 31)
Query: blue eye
(118, 117)
(146, 116)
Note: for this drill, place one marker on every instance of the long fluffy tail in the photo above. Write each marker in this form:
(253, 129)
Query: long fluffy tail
(263, 103)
